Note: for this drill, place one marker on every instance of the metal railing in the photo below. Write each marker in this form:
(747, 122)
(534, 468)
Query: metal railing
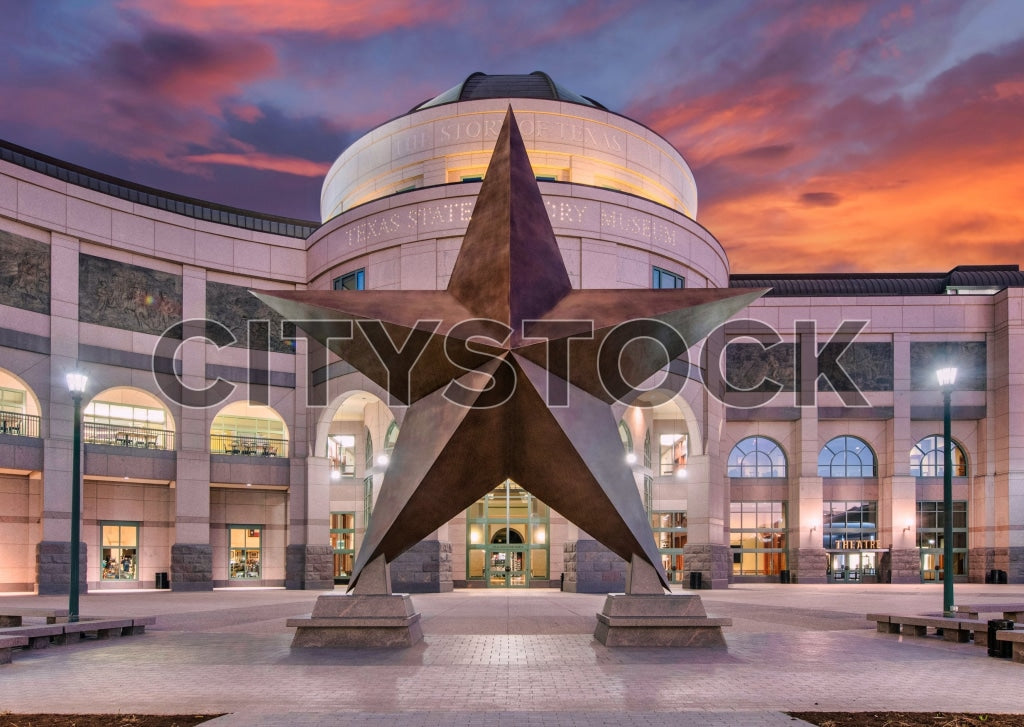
(248, 446)
(18, 424)
(116, 435)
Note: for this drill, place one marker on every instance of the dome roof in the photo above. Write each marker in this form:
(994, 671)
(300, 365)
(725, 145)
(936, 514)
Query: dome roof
(534, 85)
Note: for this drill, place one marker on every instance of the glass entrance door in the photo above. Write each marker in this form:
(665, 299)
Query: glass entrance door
(506, 566)
(507, 539)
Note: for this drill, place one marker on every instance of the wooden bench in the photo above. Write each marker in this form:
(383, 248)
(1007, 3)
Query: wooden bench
(1012, 611)
(14, 616)
(1017, 638)
(7, 643)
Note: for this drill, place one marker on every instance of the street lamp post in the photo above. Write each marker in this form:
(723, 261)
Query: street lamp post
(76, 385)
(947, 378)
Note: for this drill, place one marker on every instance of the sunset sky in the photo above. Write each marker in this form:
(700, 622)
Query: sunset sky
(824, 136)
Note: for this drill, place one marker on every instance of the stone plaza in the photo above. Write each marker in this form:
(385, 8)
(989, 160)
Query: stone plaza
(515, 657)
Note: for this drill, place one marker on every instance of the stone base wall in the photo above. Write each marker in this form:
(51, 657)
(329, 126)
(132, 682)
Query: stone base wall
(1015, 565)
(53, 568)
(980, 561)
(191, 567)
(590, 567)
(808, 565)
(424, 568)
(713, 562)
(902, 566)
(309, 567)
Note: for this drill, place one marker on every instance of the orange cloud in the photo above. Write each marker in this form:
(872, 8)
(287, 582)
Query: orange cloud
(352, 19)
(268, 162)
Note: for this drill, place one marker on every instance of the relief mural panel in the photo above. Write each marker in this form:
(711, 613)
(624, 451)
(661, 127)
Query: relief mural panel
(125, 296)
(234, 306)
(24, 273)
(967, 356)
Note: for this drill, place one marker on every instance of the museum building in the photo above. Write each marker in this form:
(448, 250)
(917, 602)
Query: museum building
(802, 442)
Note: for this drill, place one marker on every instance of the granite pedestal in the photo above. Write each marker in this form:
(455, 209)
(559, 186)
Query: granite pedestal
(647, 616)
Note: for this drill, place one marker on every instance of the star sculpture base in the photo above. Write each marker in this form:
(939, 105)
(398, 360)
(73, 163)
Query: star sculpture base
(647, 616)
(370, 618)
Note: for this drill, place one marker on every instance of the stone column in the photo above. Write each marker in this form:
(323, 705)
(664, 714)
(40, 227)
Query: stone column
(897, 506)
(807, 560)
(53, 552)
(191, 553)
(309, 558)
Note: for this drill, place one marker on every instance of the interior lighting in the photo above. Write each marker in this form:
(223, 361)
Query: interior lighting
(383, 459)
(631, 458)
(681, 473)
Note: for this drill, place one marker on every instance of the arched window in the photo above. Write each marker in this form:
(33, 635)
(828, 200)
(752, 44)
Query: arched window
(846, 457)
(626, 437)
(927, 458)
(390, 437)
(757, 457)
(647, 449)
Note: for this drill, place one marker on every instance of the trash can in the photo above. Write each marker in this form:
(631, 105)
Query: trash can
(999, 649)
(695, 580)
(162, 581)
(783, 576)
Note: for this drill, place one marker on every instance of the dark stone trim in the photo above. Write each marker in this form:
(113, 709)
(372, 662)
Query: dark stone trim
(22, 341)
(128, 359)
(763, 413)
(877, 413)
(935, 413)
(241, 374)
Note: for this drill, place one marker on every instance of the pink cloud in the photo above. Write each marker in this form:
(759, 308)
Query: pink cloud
(354, 19)
(268, 162)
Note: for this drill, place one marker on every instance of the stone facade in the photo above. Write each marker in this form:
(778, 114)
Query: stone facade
(424, 568)
(807, 565)
(713, 562)
(591, 568)
(905, 567)
(54, 564)
(191, 567)
(309, 567)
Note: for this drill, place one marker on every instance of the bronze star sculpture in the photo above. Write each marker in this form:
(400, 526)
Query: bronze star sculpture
(509, 373)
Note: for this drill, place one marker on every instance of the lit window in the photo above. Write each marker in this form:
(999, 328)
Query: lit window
(356, 280)
(343, 533)
(757, 537)
(664, 279)
(119, 553)
(846, 457)
(927, 458)
(673, 452)
(245, 550)
(757, 457)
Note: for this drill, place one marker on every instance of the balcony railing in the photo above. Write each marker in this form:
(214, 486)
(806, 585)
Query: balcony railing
(248, 446)
(18, 424)
(121, 436)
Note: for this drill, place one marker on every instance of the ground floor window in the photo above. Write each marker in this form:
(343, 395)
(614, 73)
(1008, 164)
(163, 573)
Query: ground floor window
(367, 499)
(245, 551)
(119, 552)
(757, 538)
(670, 537)
(507, 538)
(931, 539)
(343, 534)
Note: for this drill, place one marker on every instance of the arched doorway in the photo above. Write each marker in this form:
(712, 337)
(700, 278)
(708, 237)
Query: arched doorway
(507, 538)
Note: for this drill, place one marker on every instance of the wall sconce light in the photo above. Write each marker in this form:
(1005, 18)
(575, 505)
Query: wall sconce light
(631, 458)
(906, 527)
(814, 526)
